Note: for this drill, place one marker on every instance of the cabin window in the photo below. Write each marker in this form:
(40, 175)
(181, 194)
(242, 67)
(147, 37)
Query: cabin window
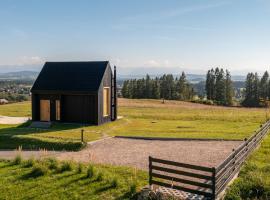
(106, 101)
(57, 110)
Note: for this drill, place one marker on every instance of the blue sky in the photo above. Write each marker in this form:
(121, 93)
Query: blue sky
(170, 36)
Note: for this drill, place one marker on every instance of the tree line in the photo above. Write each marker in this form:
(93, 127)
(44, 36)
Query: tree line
(166, 87)
(257, 90)
(219, 87)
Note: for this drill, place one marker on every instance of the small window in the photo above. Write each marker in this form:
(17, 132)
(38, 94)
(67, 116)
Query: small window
(106, 101)
(57, 110)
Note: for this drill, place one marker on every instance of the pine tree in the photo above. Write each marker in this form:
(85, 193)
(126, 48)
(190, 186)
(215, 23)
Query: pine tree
(256, 89)
(220, 95)
(208, 85)
(229, 89)
(264, 86)
(182, 84)
(156, 89)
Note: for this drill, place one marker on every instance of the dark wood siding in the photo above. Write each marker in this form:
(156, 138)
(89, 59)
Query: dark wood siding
(78, 108)
(106, 82)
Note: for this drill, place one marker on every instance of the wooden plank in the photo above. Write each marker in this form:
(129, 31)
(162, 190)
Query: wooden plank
(206, 194)
(179, 172)
(44, 110)
(242, 147)
(180, 180)
(184, 165)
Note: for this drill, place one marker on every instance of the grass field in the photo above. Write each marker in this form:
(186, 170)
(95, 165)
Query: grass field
(49, 179)
(140, 118)
(254, 178)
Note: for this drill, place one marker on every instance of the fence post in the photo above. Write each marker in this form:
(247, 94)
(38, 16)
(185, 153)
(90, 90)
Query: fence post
(150, 172)
(82, 140)
(213, 183)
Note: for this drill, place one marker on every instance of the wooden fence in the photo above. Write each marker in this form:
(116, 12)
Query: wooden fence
(200, 180)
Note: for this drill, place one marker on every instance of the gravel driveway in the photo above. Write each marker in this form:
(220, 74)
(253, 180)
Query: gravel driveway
(13, 120)
(134, 152)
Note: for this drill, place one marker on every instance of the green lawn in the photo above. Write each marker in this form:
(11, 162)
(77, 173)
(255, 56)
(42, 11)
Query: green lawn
(53, 181)
(140, 118)
(254, 177)
(22, 109)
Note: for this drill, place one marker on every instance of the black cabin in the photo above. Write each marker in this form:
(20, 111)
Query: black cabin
(75, 92)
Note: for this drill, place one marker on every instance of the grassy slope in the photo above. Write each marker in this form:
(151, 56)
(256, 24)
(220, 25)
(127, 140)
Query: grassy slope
(254, 178)
(141, 118)
(16, 183)
(22, 109)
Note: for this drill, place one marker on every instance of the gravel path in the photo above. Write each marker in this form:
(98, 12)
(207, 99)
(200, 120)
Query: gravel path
(130, 152)
(13, 120)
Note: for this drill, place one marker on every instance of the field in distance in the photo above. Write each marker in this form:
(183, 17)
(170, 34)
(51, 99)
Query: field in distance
(150, 118)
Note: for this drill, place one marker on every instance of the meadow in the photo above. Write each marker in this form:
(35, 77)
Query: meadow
(148, 118)
(51, 179)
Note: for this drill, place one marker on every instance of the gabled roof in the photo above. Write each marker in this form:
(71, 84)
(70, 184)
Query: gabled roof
(70, 76)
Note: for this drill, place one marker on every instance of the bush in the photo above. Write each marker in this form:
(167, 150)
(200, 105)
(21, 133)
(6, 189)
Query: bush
(133, 188)
(29, 163)
(114, 182)
(80, 168)
(248, 187)
(66, 166)
(99, 176)
(90, 171)
(38, 170)
(17, 160)
(53, 163)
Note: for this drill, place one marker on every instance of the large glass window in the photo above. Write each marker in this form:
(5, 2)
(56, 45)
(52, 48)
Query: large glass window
(106, 101)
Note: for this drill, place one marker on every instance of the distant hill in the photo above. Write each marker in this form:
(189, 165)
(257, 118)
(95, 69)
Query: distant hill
(20, 75)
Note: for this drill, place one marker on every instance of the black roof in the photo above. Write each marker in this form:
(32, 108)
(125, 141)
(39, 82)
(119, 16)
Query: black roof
(70, 76)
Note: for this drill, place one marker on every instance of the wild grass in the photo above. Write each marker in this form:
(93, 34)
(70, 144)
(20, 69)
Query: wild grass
(150, 118)
(40, 182)
(254, 178)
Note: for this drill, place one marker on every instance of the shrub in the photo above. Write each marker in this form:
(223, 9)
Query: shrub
(99, 176)
(53, 163)
(80, 168)
(90, 171)
(17, 160)
(29, 163)
(66, 166)
(38, 170)
(132, 188)
(114, 182)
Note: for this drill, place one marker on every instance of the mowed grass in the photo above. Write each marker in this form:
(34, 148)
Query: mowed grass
(50, 179)
(254, 178)
(22, 109)
(149, 118)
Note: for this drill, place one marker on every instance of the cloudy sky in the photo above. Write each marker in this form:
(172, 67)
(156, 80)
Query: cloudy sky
(142, 35)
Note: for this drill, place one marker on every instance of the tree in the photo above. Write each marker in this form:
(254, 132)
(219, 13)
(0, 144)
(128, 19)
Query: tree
(229, 89)
(220, 94)
(263, 90)
(156, 89)
(208, 85)
(182, 87)
(252, 91)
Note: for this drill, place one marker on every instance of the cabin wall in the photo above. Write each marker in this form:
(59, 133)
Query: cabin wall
(73, 108)
(78, 108)
(35, 107)
(106, 82)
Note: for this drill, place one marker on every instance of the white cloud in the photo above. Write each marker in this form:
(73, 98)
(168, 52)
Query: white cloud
(156, 63)
(29, 60)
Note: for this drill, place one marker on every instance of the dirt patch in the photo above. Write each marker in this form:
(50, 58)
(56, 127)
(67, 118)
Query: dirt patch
(13, 120)
(135, 153)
